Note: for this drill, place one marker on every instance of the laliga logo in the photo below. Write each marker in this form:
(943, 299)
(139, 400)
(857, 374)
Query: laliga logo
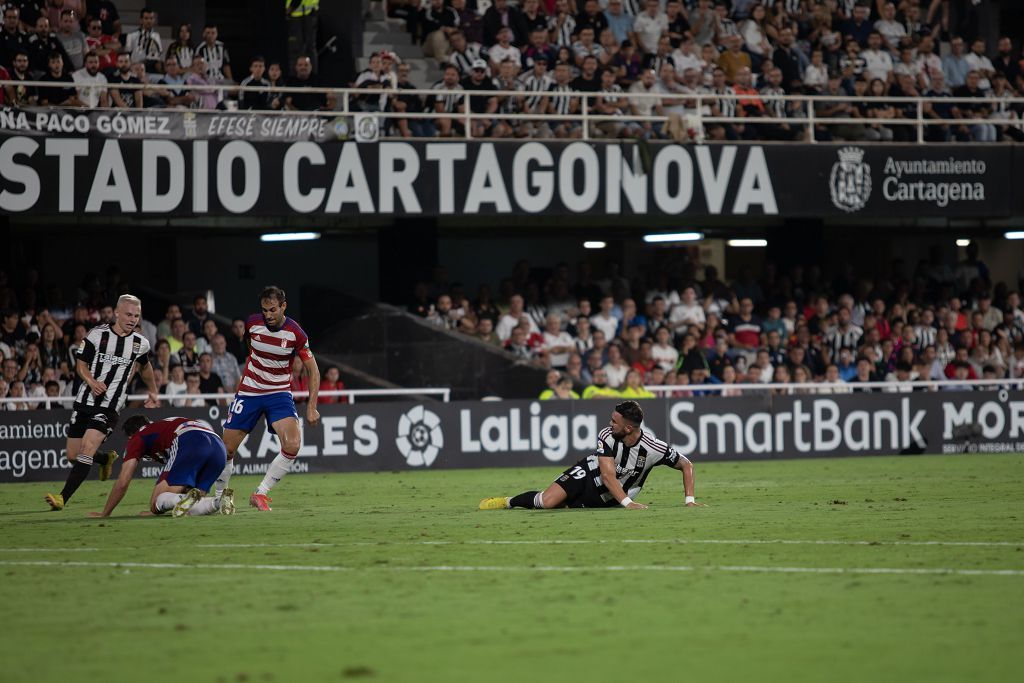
(850, 180)
(419, 437)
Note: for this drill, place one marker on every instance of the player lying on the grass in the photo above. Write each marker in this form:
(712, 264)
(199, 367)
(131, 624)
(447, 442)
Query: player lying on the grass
(613, 475)
(192, 455)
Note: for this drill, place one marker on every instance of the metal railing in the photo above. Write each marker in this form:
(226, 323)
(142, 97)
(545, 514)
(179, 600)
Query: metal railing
(694, 105)
(48, 402)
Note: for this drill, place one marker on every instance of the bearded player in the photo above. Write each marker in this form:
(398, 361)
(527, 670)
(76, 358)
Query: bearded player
(613, 474)
(265, 391)
(192, 456)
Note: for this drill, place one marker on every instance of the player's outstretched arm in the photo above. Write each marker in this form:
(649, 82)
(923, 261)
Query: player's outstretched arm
(124, 480)
(312, 414)
(611, 483)
(686, 466)
(147, 375)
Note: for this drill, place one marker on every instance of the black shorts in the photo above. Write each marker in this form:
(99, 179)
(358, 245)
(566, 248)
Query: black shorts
(87, 417)
(583, 487)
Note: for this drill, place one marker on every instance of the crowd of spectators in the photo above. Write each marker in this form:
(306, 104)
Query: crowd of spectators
(191, 352)
(617, 337)
(750, 50)
(89, 55)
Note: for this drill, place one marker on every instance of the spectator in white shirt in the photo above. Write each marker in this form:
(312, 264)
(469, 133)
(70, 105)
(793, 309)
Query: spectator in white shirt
(687, 312)
(603, 320)
(504, 49)
(890, 29)
(511, 320)
(91, 84)
(878, 62)
(650, 26)
(977, 61)
(686, 57)
(664, 354)
(616, 367)
(558, 344)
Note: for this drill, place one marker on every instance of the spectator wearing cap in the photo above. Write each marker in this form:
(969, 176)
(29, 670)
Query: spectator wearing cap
(502, 14)
(436, 22)
(504, 49)
(478, 81)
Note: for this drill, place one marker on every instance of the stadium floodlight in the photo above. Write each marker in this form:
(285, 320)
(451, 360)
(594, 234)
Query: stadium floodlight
(962, 243)
(594, 244)
(1014, 235)
(673, 237)
(748, 243)
(289, 236)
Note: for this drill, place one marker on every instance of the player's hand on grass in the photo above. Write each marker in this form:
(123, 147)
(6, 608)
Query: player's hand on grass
(96, 514)
(636, 506)
(98, 388)
(312, 415)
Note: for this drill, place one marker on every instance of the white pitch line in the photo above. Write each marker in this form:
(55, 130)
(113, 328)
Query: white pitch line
(651, 541)
(538, 568)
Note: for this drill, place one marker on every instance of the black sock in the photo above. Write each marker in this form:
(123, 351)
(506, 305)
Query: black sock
(79, 473)
(524, 500)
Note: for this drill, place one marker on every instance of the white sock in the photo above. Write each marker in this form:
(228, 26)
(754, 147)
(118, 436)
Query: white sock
(206, 506)
(538, 501)
(167, 501)
(279, 467)
(224, 478)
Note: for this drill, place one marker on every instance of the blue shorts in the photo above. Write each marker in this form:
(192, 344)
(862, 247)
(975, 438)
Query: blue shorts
(195, 459)
(245, 411)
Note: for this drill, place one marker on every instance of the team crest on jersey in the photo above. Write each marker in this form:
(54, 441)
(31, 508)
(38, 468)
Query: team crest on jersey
(284, 343)
(850, 180)
(641, 460)
(136, 347)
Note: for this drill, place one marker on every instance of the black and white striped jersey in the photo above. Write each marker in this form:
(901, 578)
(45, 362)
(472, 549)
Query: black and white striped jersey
(836, 340)
(776, 107)
(727, 107)
(562, 35)
(632, 463)
(463, 61)
(536, 85)
(561, 101)
(110, 358)
(216, 58)
(449, 97)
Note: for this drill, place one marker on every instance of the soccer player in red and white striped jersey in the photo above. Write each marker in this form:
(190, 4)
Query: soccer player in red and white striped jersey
(264, 391)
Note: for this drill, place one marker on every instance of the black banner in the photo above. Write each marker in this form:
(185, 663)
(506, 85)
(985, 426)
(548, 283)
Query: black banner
(90, 174)
(399, 436)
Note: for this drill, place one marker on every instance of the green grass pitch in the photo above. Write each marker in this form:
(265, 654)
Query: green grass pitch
(397, 577)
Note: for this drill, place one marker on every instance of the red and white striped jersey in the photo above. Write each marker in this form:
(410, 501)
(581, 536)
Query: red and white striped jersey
(271, 352)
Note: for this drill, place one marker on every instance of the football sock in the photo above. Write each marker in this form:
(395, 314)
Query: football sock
(79, 473)
(280, 466)
(526, 500)
(206, 506)
(167, 501)
(224, 478)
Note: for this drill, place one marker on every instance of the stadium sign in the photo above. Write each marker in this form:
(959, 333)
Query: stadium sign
(401, 436)
(152, 176)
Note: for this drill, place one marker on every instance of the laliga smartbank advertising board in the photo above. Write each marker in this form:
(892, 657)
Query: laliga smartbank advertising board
(196, 164)
(403, 436)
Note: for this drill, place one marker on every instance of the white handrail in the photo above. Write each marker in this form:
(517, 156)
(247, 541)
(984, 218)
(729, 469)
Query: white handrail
(351, 394)
(836, 387)
(808, 116)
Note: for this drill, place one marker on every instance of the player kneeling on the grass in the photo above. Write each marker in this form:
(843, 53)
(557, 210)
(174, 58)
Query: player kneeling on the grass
(613, 474)
(192, 455)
